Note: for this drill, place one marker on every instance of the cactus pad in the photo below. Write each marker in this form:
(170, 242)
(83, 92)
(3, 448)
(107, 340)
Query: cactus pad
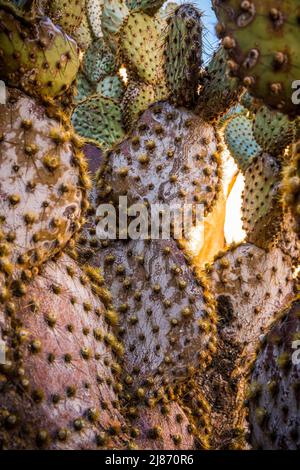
(98, 61)
(160, 302)
(141, 46)
(36, 55)
(183, 54)
(240, 141)
(273, 131)
(100, 119)
(137, 98)
(262, 39)
(43, 182)
(61, 388)
(274, 392)
(67, 14)
(170, 158)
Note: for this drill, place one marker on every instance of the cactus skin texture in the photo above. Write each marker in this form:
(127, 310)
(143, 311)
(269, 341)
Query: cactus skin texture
(43, 185)
(218, 91)
(273, 131)
(100, 119)
(35, 55)
(137, 97)
(274, 391)
(239, 139)
(164, 427)
(243, 317)
(140, 45)
(160, 302)
(170, 158)
(98, 61)
(67, 14)
(151, 7)
(262, 40)
(291, 187)
(59, 388)
(183, 54)
(111, 87)
(94, 14)
(114, 15)
(265, 219)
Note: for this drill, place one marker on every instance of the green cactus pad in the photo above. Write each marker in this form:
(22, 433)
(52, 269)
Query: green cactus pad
(111, 87)
(114, 14)
(100, 119)
(36, 55)
(239, 139)
(183, 54)
(84, 88)
(151, 7)
(67, 14)
(218, 91)
(83, 34)
(98, 61)
(265, 218)
(273, 131)
(137, 98)
(262, 40)
(141, 46)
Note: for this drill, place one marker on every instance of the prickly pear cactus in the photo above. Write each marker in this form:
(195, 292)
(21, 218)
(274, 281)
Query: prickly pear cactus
(262, 41)
(67, 14)
(143, 51)
(43, 185)
(172, 158)
(273, 131)
(151, 7)
(161, 303)
(99, 118)
(137, 97)
(59, 387)
(274, 390)
(35, 55)
(218, 90)
(240, 141)
(183, 54)
(265, 219)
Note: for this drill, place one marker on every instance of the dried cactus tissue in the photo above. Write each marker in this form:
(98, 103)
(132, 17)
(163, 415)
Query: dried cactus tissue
(149, 225)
